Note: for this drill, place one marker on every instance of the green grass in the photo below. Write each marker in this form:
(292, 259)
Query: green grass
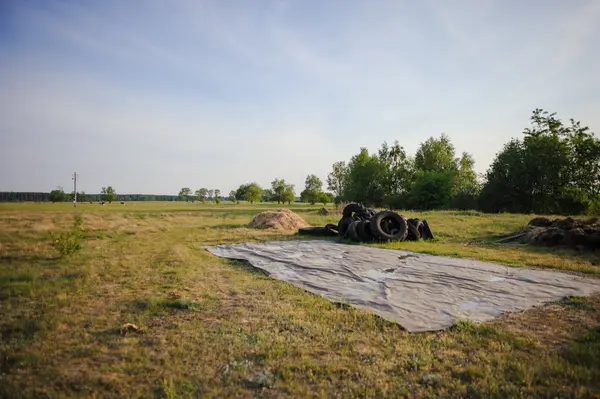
(213, 327)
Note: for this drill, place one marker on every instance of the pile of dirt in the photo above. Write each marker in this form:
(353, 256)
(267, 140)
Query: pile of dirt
(567, 232)
(280, 219)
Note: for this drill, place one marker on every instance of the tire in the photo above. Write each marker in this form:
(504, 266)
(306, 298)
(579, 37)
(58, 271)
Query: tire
(389, 226)
(427, 234)
(363, 215)
(352, 208)
(331, 226)
(413, 233)
(352, 233)
(364, 231)
(317, 231)
(343, 225)
(415, 230)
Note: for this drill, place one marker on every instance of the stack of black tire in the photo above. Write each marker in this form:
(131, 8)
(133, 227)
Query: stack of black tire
(361, 224)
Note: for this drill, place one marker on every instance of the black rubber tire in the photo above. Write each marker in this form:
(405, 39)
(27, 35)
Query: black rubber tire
(363, 215)
(350, 209)
(389, 226)
(427, 234)
(415, 230)
(332, 226)
(420, 228)
(317, 231)
(352, 233)
(364, 231)
(343, 225)
(413, 233)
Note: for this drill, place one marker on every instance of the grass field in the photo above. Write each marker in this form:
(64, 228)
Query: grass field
(218, 328)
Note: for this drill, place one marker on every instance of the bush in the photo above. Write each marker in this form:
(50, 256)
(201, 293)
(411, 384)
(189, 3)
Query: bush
(464, 201)
(593, 207)
(77, 221)
(431, 190)
(66, 243)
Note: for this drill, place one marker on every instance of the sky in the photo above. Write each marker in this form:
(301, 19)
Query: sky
(152, 96)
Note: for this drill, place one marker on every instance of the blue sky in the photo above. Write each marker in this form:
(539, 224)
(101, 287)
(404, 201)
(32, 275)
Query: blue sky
(152, 96)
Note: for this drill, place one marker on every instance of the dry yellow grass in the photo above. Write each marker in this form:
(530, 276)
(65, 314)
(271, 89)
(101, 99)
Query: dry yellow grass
(279, 219)
(229, 331)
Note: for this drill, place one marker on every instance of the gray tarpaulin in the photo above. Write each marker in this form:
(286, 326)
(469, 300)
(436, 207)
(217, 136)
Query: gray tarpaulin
(420, 292)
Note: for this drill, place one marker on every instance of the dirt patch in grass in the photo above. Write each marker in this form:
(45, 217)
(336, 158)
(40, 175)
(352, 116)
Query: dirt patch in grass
(280, 219)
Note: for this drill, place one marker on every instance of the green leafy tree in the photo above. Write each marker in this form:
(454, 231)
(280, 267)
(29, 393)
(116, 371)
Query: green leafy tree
(210, 194)
(241, 194)
(184, 193)
(312, 190)
(233, 196)
(108, 194)
(435, 160)
(555, 168)
(57, 195)
(268, 195)
(337, 179)
(364, 182)
(251, 192)
(397, 176)
(217, 193)
(436, 155)
(254, 193)
(201, 194)
(289, 195)
(278, 186)
(431, 190)
(326, 198)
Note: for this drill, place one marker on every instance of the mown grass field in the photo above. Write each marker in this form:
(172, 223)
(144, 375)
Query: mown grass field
(215, 328)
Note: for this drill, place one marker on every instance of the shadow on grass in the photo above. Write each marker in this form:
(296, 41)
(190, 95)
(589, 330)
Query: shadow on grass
(27, 258)
(229, 226)
(246, 266)
(565, 252)
(109, 332)
(585, 351)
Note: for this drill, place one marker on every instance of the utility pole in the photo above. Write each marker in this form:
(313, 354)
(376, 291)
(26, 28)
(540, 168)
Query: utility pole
(75, 189)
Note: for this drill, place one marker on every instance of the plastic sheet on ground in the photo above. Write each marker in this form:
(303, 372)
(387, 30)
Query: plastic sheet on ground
(418, 291)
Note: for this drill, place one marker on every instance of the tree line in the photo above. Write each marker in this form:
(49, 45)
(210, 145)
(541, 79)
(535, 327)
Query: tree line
(59, 195)
(554, 168)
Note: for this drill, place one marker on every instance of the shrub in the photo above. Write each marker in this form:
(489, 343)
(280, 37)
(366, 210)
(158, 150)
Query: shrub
(77, 221)
(593, 207)
(66, 243)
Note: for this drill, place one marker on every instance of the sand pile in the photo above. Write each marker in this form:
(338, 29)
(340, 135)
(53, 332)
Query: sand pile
(280, 219)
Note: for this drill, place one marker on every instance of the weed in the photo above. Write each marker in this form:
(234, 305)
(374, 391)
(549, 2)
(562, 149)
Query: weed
(155, 305)
(414, 362)
(77, 222)
(483, 330)
(470, 374)
(66, 243)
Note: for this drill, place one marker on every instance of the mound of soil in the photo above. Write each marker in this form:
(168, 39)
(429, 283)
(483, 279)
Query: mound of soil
(280, 219)
(568, 232)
